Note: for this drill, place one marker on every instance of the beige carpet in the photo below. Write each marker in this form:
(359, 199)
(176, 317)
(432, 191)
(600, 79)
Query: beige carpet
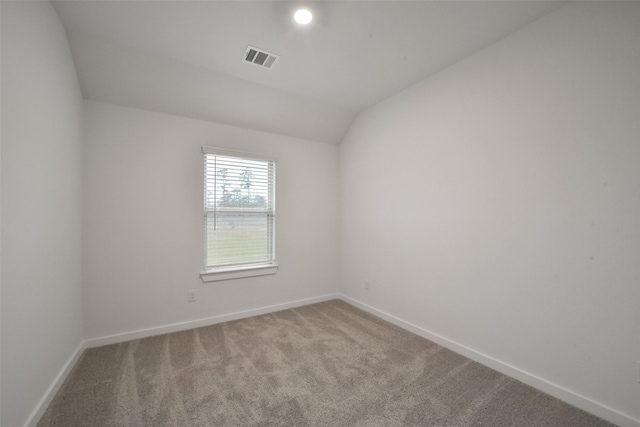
(327, 364)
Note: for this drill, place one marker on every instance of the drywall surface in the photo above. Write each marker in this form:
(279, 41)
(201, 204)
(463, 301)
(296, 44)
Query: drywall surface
(41, 206)
(497, 203)
(143, 234)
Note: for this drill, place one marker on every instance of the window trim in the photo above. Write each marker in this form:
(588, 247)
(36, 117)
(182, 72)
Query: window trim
(228, 273)
(242, 270)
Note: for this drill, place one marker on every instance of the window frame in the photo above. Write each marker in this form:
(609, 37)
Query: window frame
(241, 270)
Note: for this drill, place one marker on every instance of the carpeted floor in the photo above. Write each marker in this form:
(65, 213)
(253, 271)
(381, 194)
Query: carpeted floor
(326, 364)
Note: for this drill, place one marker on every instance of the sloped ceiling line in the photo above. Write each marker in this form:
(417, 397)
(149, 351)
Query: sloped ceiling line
(184, 57)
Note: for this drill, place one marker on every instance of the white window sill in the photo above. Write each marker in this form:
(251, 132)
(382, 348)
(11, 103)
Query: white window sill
(218, 274)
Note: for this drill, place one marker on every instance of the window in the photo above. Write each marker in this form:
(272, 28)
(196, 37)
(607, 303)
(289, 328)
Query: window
(239, 215)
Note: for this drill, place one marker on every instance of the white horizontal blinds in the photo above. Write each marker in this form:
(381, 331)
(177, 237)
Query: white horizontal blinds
(239, 210)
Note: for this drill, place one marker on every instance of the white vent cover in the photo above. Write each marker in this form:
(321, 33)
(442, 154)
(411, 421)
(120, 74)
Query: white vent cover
(260, 57)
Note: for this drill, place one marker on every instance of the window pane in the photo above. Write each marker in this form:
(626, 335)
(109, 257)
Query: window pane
(234, 238)
(239, 210)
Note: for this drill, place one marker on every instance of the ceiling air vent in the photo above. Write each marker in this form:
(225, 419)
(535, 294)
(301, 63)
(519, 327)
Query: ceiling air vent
(260, 57)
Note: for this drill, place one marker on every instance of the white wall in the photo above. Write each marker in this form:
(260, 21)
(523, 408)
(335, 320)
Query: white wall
(497, 203)
(41, 206)
(143, 220)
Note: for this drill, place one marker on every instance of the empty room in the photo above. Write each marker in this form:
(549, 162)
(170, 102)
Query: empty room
(328, 213)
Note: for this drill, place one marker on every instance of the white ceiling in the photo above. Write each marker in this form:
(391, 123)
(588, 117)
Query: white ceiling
(185, 57)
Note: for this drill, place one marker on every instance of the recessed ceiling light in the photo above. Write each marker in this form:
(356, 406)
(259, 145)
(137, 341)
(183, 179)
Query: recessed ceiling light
(303, 16)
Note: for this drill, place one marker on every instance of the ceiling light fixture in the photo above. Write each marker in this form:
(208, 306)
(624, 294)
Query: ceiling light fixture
(303, 16)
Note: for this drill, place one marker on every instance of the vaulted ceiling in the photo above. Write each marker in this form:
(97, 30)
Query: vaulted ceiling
(186, 57)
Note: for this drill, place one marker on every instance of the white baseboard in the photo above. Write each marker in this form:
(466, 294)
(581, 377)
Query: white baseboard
(41, 407)
(183, 326)
(543, 385)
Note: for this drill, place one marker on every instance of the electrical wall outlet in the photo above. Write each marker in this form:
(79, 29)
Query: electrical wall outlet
(192, 296)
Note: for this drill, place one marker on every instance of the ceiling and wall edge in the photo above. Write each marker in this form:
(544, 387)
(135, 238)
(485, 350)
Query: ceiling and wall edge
(184, 58)
(130, 77)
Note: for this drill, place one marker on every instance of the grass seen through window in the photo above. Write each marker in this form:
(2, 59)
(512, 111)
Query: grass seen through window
(229, 246)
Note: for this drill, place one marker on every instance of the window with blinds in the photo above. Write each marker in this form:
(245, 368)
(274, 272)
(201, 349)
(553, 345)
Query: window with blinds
(239, 209)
